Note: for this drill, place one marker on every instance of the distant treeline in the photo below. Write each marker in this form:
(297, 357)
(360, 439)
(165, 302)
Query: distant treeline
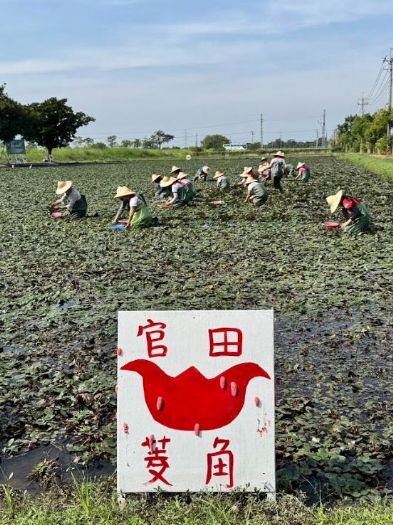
(367, 133)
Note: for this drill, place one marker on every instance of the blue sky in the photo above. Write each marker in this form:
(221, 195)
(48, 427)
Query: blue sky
(205, 67)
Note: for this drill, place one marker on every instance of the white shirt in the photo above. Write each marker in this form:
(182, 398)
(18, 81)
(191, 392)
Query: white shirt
(134, 201)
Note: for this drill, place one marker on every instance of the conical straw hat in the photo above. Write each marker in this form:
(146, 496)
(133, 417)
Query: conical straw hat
(249, 180)
(182, 175)
(205, 169)
(218, 174)
(155, 176)
(123, 191)
(280, 154)
(167, 181)
(63, 186)
(334, 200)
(300, 165)
(175, 169)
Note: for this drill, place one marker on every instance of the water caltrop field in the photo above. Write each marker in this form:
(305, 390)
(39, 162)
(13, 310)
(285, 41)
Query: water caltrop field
(64, 281)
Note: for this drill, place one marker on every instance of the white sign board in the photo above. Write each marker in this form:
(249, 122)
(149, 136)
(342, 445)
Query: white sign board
(195, 401)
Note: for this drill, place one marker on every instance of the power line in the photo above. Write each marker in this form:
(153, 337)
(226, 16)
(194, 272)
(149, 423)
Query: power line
(382, 88)
(376, 82)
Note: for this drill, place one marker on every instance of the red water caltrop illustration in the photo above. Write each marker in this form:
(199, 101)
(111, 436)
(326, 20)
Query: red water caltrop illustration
(156, 459)
(220, 463)
(154, 334)
(225, 342)
(190, 400)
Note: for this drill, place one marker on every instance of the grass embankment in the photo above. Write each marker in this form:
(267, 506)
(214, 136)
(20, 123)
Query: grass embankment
(96, 504)
(128, 154)
(380, 165)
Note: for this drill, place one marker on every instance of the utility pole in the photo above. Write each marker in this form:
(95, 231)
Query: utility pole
(252, 137)
(185, 139)
(363, 103)
(389, 62)
(196, 140)
(323, 138)
(317, 140)
(261, 131)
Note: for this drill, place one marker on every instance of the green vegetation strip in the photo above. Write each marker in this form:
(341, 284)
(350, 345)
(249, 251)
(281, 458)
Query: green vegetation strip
(96, 504)
(379, 165)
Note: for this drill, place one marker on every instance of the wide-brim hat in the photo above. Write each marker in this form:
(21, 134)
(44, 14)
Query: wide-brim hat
(123, 191)
(300, 165)
(205, 169)
(167, 181)
(249, 180)
(188, 157)
(218, 174)
(155, 177)
(63, 186)
(334, 200)
(264, 159)
(182, 175)
(175, 169)
(280, 154)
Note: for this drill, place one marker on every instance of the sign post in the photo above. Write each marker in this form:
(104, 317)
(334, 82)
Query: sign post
(196, 401)
(16, 147)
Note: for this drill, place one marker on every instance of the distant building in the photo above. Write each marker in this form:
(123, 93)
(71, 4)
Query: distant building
(234, 147)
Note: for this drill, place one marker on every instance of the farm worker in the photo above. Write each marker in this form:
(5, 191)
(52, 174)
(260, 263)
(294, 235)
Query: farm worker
(161, 193)
(355, 212)
(247, 172)
(187, 190)
(178, 192)
(256, 192)
(264, 169)
(290, 170)
(222, 180)
(71, 199)
(134, 206)
(175, 171)
(202, 173)
(277, 165)
(303, 171)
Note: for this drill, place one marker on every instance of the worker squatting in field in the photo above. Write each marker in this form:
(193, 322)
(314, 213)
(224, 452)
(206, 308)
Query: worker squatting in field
(176, 190)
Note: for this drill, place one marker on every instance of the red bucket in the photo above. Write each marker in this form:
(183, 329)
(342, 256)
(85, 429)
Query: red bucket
(331, 225)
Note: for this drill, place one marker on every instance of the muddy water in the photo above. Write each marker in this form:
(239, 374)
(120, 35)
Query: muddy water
(16, 471)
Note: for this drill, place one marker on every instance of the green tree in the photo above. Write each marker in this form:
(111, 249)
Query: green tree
(160, 137)
(53, 124)
(111, 140)
(12, 117)
(214, 142)
(126, 143)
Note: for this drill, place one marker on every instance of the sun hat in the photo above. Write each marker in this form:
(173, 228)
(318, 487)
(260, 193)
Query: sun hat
(175, 169)
(280, 154)
(188, 157)
(123, 191)
(155, 176)
(300, 165)
(63, 186)
(167, 181)
(249, 180)
(334, 200)
(264, 159)
(218, 174)
(205, 169)
(182, 175)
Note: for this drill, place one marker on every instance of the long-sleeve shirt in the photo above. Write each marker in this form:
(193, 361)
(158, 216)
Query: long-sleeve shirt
(72, 197)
